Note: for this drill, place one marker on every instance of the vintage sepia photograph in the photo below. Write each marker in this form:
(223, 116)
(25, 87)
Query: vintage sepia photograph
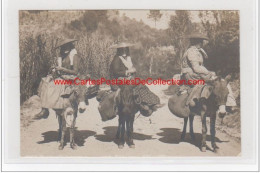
(129, 83)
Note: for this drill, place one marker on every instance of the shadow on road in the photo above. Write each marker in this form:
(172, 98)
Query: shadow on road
(79, 135)
(110, 135)
(173, 136)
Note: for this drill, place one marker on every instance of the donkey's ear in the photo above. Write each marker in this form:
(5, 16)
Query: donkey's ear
(206, 92)
(228, 78)
(213, 81)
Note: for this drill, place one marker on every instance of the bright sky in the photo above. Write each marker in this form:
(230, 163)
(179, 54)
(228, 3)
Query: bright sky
(162, 24)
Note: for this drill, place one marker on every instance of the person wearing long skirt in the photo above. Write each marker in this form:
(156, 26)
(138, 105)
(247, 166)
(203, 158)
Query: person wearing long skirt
(193, 67)
(122, 67)
(67, 68)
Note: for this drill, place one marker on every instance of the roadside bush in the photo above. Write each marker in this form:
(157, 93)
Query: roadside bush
(37, 56)
(35, 61)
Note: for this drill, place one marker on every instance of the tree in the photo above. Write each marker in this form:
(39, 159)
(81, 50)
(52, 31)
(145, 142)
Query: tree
(222, 28)
(155, 15)
(179, 26)
(90, 20)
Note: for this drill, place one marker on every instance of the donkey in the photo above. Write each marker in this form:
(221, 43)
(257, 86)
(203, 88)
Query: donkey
(127, 108)
(213, 101)
(67, 117)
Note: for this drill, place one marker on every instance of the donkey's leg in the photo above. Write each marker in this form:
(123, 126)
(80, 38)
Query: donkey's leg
(118, 129)
(72, 131)
(204, 131)
(191, 118)
(184, 129)
(60, 126)
(213, 132)
(127, 123)
(63, 130)
(122, 132)
(130, 130)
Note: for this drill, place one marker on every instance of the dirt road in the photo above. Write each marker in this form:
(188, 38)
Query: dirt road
(158, 135)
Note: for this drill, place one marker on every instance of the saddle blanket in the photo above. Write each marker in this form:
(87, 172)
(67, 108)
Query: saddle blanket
(200, 91)
(144, 95)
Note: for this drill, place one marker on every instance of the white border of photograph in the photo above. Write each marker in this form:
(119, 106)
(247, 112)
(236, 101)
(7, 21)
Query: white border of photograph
(11, 160)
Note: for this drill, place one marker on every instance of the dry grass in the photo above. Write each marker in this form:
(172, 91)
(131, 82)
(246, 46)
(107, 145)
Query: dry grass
(37, 56)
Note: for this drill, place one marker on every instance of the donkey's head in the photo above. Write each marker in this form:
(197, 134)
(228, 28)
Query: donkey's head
(79, 97)
(126, 100)
(77, 102)
(220, 93)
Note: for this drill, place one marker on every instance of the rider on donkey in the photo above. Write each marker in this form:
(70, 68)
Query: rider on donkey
(122, 67)
(193, 67)
(192, 64)
(67, 68)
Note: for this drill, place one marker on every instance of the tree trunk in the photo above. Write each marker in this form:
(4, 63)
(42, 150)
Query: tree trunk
(151, 65)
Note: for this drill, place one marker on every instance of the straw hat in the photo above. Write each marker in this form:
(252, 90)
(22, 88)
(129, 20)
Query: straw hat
(198, 36)
(121, 45)
(65, 41)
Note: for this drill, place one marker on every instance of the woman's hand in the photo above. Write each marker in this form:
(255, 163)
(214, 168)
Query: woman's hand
(133, 70)
(65, 70)
(212, 73)
(130, 71)
(58, 68)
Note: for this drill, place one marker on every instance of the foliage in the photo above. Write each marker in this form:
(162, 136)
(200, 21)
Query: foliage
(155, 15)
(35, 60)
(96, 55)
(163, 58)
(90, 20)
(223, 47)
(222, 28)
(157, 53)
(180, 26)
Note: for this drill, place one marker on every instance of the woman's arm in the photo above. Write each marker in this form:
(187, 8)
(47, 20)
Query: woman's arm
(75, 67)
(195, 65)
(130, 71)
(67, 71)
(116, 68)
(198, 68)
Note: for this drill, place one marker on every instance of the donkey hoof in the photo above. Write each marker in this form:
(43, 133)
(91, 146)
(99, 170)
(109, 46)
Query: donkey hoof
(61, 147)
(203, 149)
(73, 146)
(132, 146)
(182, 137)
(120, 146)
(216, 150)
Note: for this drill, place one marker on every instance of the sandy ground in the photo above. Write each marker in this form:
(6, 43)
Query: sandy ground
(158, 135)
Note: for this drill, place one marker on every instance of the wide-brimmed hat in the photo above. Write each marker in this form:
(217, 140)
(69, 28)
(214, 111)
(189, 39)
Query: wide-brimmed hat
(65, 41)
(197, 36)
(121, 45)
